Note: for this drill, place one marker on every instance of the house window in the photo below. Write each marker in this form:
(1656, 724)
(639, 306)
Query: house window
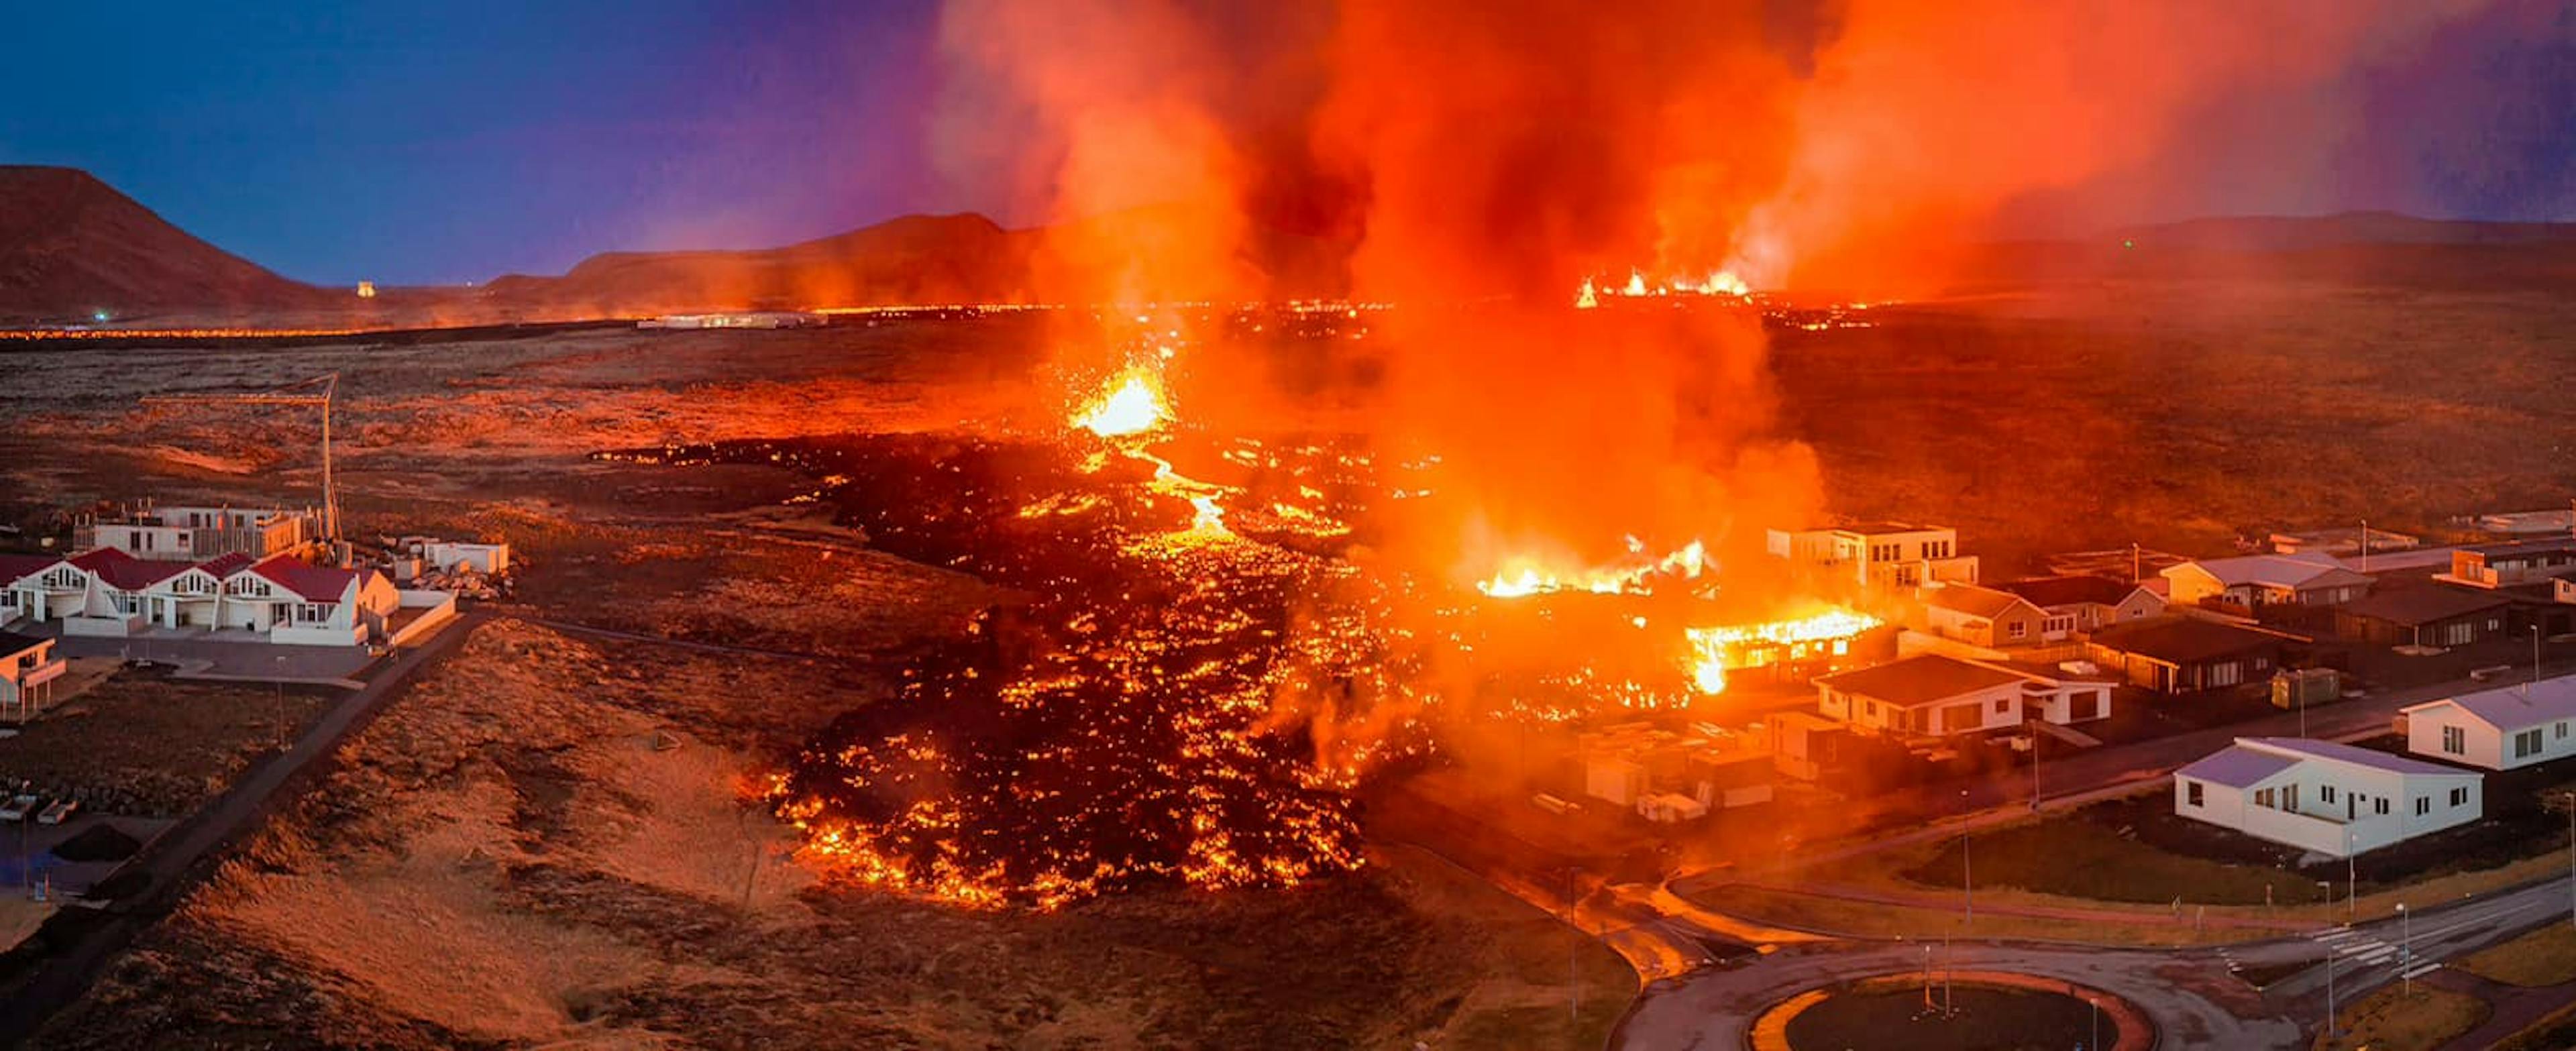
(2379, 805)
(2460, 796)
(2423, 805)
(2526, 743)
(2018, 629)
(2002, 705)
(2191, 792)
(2325, 793)
(2562, 731)
(9, 600)
(2263, 797)
(125, 603)
(2455, 740)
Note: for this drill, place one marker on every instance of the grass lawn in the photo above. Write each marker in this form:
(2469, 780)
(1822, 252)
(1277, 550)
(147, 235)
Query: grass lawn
(2390, 1020)
(2081, 858)
(1867, 919)
(2543, 957)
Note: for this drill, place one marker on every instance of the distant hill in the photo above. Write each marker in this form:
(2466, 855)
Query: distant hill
(71, 245)
(916, 259)
(2269, 233)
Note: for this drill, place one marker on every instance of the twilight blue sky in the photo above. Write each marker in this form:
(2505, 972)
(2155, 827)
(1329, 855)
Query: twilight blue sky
(418, 142)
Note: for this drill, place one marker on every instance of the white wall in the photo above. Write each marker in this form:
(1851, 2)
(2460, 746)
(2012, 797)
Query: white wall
(2364, 831)
(2485, 745)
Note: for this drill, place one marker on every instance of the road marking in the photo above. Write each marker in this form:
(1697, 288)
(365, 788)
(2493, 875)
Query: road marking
(2332, 937)
(2372, 957)
(2421, 969)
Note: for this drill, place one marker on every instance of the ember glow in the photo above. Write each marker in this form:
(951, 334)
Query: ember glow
(1524, 576)
(1132, 404)
(1718, 650)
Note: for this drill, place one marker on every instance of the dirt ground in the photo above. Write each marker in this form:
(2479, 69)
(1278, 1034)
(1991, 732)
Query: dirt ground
(507, 859)
(143, 743)
(546, 844)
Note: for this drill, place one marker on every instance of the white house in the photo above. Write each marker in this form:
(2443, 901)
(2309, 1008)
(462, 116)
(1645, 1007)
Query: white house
(300, 603)
(449, 555)
(1935, 695)
(1879, 554)
(2499, 729)
(2259, 580)
(28, 669)
(279, 599)
(2333, 799)
(189, 533)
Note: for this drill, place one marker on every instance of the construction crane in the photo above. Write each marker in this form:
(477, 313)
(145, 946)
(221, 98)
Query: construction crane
(298, 393)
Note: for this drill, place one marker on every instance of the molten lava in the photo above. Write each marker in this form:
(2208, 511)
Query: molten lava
(1132, 405)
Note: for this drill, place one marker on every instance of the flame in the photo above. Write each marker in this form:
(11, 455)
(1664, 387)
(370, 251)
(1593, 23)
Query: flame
(1586, 298)
(1715, 650)
(1132, 404)
(1523, 575)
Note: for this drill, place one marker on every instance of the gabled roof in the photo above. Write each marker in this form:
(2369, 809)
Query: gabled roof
(2511, 708)
(2067, 591)
(226, 564)
(2183, 640)
(1972, 600)
(2310, 748)
(2308, 569)
(13, 644)
(14, 568)
(314, 583)
(125, 572)
(2427, 604)
(1919, 680)
(2236, 766)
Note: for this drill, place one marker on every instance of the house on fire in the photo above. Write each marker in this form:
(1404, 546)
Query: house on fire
(2334, 799)
(1933, 695)
(2183, 654)
(2499, 729)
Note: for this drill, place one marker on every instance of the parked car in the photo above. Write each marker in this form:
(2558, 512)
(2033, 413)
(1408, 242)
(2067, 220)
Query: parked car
(61, 811)
(21, 808)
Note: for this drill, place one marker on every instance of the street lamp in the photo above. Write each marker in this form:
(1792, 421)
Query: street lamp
(2405, 950)
(2328, 885)
(1967, 872)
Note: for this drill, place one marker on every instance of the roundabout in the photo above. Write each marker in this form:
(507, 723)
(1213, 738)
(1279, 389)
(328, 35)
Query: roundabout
(1955, 1011)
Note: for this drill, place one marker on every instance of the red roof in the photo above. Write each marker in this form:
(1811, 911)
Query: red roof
(14, 568)
(125, 572)
(314, 583)
(226, 564)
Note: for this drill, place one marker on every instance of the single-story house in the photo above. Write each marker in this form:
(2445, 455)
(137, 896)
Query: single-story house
(2502, 565)
(1934, 695)
(2249, 581)
(28, 669)
(1985, 617)
(301, 603)
(2084, 603)
(2499, 729)
(2425, 614)
(108, 592)
(2182, 654)
(2333, 799)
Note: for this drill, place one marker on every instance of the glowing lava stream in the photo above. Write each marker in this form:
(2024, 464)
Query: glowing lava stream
(1133, 407)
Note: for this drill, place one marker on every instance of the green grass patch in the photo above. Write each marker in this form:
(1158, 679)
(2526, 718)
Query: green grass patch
(2393, 1020)
(2543, 957)
(2079, 858)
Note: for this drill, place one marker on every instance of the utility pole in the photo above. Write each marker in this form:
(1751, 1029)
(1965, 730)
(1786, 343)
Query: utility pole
(297, 393)
(2330, 955)
(2571, 858)
(2535, 660)
(1967, 873)
(2035, 735)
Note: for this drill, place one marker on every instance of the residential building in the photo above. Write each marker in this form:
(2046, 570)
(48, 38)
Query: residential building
(2499, 729)
(28, 669)
(2424, 614)
(2250, 581)
(2505, 565)
(447, 556)
(2085, 603)
(2333, 799)
(278, 599)
(1981, 616)
(2561, 522)
(189, 533)
(1934, 695)
(1878, 554)
(2342, 541)
(2182, 654)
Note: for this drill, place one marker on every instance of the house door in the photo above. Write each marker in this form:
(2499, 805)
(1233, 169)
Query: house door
(2351, 806)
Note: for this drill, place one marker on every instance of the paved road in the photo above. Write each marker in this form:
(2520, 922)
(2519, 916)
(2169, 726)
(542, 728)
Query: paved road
(2197, 1005)
(2387, 947)
(179, 858)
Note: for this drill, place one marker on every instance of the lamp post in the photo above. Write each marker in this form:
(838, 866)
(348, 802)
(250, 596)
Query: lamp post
(1967, 875)
(2330, 955)
(2405, 950)
(2571, 857)
(2351, 883)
